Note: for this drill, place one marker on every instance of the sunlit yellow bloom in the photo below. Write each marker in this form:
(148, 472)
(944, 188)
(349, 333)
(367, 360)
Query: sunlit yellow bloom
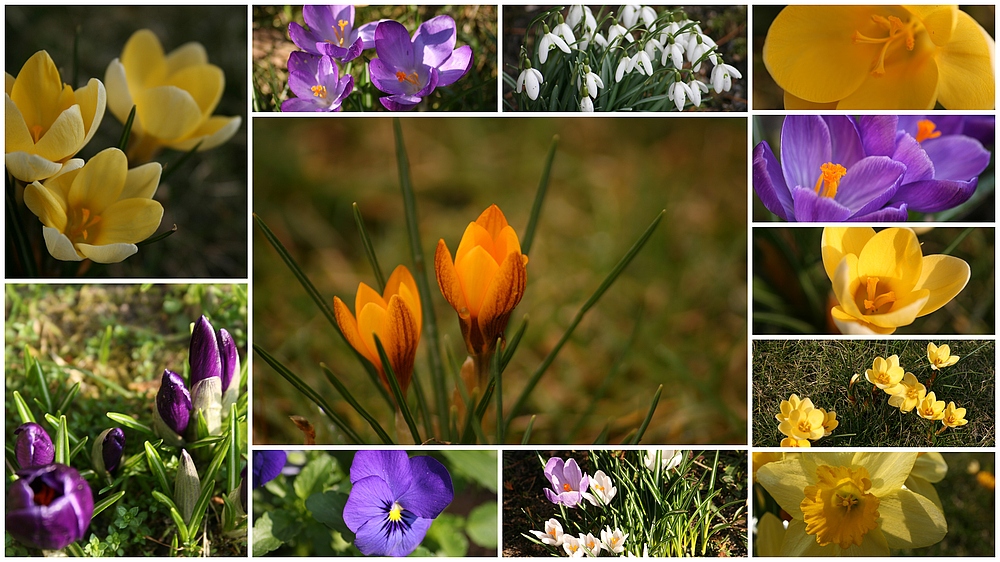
(885, 373)
(940, 357)
(174, 96)
(908, 393)
(880, 57)
(793, 442)
(952, 416)
(930, 407)
(852, 504)
(829, 421)
(46, 122)
(394, 316)
(786, 407)
(927, 469)
(486, 280)
(804, 422)
(770, 535)
(98, 210)
(883, 281)
(760, 459)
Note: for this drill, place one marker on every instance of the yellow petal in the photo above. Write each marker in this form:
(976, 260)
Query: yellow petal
(474, 235)
(167, 112)
(349, 328)
(965, 68)
(840, 241)
(210, 134)
(903, 312)
(786, 481)
(924, 488)
(366, 295)
(401, 338)
(18, 138)
(792, 102)
(112, 253)
(910, 520)
(141, 182)
(493, 221)
(939, 21)
(128, 221)
(59, 245)
(503, 295)
(119, 98)
(39, 91)
(99, 183)
(30, 167)
(854, 326)
(92, 99)
(401, 283)
(892, 254)
(887, 471)
(142, 57)
(770, 533)
(798, 543)
(846, 285)
(204, 82)
(188, 54)
(64, 138)
(371, 321)
(48, 205)
(447, 279)
(945, 277)
(910, 82)
(8, 82)
(475, 272)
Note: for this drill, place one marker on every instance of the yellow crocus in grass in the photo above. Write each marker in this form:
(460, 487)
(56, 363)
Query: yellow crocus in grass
(883, 281)
(174, 96)
(885, 373)
(98, 210)
(804, 422)
(851, 504)
(786, 406)
(829, 421)
(794, 442)
(880, 57)
(46, 121)
(907, 394)
(952, 416)
(485, 281)
(394, 316)
(940, 357)
(930, 408)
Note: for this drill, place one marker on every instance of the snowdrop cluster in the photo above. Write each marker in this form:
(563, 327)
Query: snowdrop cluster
(637, 54)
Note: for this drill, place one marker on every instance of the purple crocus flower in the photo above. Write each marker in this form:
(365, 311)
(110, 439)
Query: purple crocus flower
(33, 446)
(173, 402)
(832, 169)
(332, 33)
(394, 500)
(49, 507)
(107, 452)
(569, 483)
(316, 81)
(203, 354)
(409, 69)
(267, 466)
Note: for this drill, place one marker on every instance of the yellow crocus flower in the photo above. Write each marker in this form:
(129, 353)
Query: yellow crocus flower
(804, 422)
(907, 394)
(930, 407)
(46, 121)
(940, 357)
(883, 281)
(394, 316)
(174, 96)
(952, 416)
(880, 57)
(885, 373)
(98, 210)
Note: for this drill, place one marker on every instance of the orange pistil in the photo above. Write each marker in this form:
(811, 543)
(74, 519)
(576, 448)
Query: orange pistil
(926, 130)
(829, 179)
(566, 488)
(412, 77)
(897, 30)
(876, 302)
(319, 91)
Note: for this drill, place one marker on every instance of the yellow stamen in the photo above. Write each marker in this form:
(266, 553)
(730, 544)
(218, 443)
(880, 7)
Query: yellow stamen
(925, 130)
(396, 513)
(875, 302)
(338, 31)
(839, 509)
(319, 91)
(80, 225)
(411, 78)
(829, 179)
(897, 30)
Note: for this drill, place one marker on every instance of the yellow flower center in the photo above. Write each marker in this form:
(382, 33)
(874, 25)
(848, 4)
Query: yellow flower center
(338, 31)
(829, 179)
(573, 547)
(81, 225)
(411, 77)
(36, 132)
(897, 30)
(876, 302)
(396, 513)
(612, 541)
(839, 509)
(925, 130)
(598, 487)
(552, 532)
(319, 91)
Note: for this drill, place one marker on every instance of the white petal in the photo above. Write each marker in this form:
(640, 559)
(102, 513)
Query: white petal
(59, 245)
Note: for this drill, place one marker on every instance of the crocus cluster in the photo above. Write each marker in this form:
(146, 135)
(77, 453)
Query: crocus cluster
(214, 385)
(662, 459)
(613, 542)
(801, 422)
(408, 69)
(837, 168)
(639, 42)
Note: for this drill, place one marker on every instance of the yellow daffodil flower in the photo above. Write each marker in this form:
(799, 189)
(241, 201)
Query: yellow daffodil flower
(883, 281)
(952, 416)
(485, 281)
(770, 535)
(46, 121)
(907, 394)
(98, 210)
(880, 57)
(927, 469)
(174, 96)
(940, 357)
(394, 316)
(804, 422)
(786, 407)
(760, 459)
(852, 504)
(930, 408)
(793, 442)
(885, 373)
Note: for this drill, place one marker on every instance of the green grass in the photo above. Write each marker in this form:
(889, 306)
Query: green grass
(822, 370)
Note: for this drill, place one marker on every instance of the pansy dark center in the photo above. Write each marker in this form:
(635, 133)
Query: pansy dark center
(879, 300)
(899, 34)
(397, 519)
(829, 179)
(926, 130)
(44, 494)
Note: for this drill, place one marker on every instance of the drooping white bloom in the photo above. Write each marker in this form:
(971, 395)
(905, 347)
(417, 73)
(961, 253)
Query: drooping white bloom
(674, 52)
(722, 77)
(625, 66)
(629, 15)
(669, 458)
(578, 14)
(590, 544)
(642, 61)
(697, 46)
(592, 82)
(586, 104)
(616, 33)
(566, 32)
(530, 80)
(678, 92)
(613, 542)
(648, 17)
(696, 88)
(601, 489)
(548, 41)
(553, 534)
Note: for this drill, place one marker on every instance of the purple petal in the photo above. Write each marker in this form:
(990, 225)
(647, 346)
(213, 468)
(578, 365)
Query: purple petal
(383, 76)
(366, 514)
(303, 63)
(569, 499)
(572, 473)
(435, 40)
(66, 517)
(173, 402)
(267, 465)
(769, 183)
(304, 39)
(229, 356)
(323, 19)
(367, 33)
(430, 491)
(870, 184)
(554, 467)
(956, 157)
(980, 127)
(400, 102)
(885, 214)
(946, 124)
(393, 467)
(931, 196)
(203, 355)
(878, 134)
(33, 446)
(914, 157)
(302, 105)
(393, 46)
(455, 67)
(112, 447)
(811, 207)
(552, 496)
(845, 142)
(805, 146)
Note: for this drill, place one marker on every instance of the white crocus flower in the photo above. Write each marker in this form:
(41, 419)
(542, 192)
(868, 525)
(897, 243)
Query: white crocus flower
(669, 458)
(624, 67)
(677, 92)
(615, 32)
(642, 61)
(696, 89)
(553, 534)
(601, 490)
(590, 543)
(548, 41)
(573, 547)
(586, 104)
(591, 81)
(530, 80)
(722, 77)
(613, 542)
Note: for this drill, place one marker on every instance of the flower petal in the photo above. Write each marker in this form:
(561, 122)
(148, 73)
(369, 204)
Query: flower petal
(870, 184)
(203, 82)
(211, 133)
(143, 61)
(475, 272)
(965, 67)
(811, 207)
(191, 53)
(93, 99)
(389, 466)
(909, 82)
(805, 146)
(349, 328)
(434, 40)
(931, 196)
(393, 46)
(18, 138)
(112, 253)
(910, 520)
(99, 184)
(119, 98)
(59, 246)
(167, 112)
(840, 241)
(956, 157)
(64, 138)
(845, 140)
(447, 279)
(887, 471)
(769, 183)
(786, 481)
(400, 339)
(47, 204)
(945, 277)
(30, 167)
(128, 221)
(431, 489)
(141, 182)
(893, 253)
(457, 65)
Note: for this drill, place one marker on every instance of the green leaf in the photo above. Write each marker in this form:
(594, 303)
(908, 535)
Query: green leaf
(22, 409)
(107, 502)
(447, 533)
(480, 466)
(482, 525)
(200, 506)
(233, 460)
(68, 399)
(264, 540)
(397, 392)
(649, 416)
(62, 441)
(330, 376)
(313, 477)
(43, 385)
(328, 509)
(536, 207)
(156, 467)
(127, 421)
(366, 243)
(127, 130)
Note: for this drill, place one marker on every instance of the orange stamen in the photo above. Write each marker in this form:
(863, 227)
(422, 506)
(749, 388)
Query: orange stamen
(875, 301)
(338, 31)
(925, 130)
(829, 179)
(566, 487)
(45, 496)
(319, 91)
(897, 29)
(411, 78)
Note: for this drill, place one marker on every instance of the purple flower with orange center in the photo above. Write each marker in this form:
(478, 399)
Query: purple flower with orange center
(317, 82)
(569, 483)
(331, 32)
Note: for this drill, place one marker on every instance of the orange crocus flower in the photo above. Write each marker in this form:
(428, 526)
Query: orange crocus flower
(394, 316)
(485, 281)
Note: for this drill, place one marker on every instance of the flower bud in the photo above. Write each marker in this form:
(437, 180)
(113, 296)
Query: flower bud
(33, 446)
(203, 356)
(206, 398)
(107, 451)
(49, 507)
(187, 486)
(173, 402)
(230, 370)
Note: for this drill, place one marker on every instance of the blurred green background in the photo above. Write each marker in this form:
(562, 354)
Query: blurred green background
(683, 298)
(207, 196)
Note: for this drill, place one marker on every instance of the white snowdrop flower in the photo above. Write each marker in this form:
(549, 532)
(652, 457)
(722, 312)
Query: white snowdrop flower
(652, 45)
(642, 61)
(586, 104)
(599, 39)
(648, 17)
(674, 52)
(613, 542)
(616, 33)
(592, 82)
(629, 15)
(581, 13)
(530, 80)
(590, 544)
(548, 41)
(624, 66)
(566, 32)
(553, 534)
(678, 93)
(697, 88)
(722, 77)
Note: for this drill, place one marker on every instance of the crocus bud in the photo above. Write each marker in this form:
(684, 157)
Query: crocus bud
(107, 451)
(267, 466)
(49, 507)
(203, 354)
(230, 370)
(187, 486)
(173, 402)
(33, 446)
(206, 397)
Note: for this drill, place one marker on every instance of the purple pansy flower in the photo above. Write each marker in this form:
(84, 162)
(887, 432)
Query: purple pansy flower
(568, 482)
(49, 507)
(832, 169)
(317, 83)
(332, 33)
(409, 69)
(33, 446)
(394, 500)
(267, 466)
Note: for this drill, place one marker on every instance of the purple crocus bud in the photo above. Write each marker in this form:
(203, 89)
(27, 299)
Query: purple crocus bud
(393, 501)
(49, 507)
(568, 482)
(317, 83)
(203, 355)
(173, 402)
(107, 451)
(33, 446)
(230, 358)
(409, 69)
(331, 32)
(267, 466)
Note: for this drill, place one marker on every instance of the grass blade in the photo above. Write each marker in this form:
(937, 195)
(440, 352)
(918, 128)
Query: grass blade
(354, 404)
(130, 423)
(508, 351)
(536, 207)
(369, 249)
(62, 441)
(107, 502)
(156, 467)
(233, 459)
(527, 432)
(398, 392)
(68, 399)
(43, 385)
(201, 506)
(498, 391)
(127, 130)
(22, 409)
(649, 416)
